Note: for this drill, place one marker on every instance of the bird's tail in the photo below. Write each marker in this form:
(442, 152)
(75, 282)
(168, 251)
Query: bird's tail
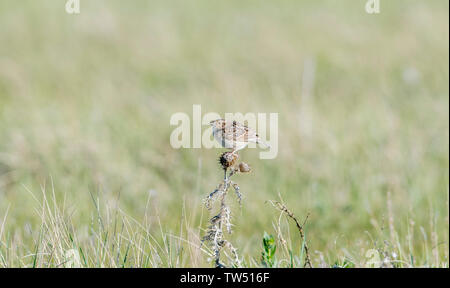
(264, 144)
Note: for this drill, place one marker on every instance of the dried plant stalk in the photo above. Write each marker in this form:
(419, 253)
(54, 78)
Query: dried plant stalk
(282, 207)
(222, 220)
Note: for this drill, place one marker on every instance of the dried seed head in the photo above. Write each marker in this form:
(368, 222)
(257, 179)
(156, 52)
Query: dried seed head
(244, 168)
(228, 159)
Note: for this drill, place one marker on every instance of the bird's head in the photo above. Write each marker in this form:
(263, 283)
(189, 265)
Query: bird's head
(218, 124)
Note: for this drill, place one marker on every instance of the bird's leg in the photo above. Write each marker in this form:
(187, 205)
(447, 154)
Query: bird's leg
(225, 178)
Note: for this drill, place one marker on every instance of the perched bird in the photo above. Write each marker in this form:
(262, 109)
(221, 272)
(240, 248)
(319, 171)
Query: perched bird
(233, 135)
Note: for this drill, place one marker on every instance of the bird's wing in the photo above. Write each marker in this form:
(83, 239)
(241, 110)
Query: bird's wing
(240, 133)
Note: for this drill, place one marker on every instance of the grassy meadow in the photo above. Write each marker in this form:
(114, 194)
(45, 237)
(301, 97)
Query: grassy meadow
(88, 177)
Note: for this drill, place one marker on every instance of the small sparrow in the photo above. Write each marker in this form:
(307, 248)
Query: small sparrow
(233, 135)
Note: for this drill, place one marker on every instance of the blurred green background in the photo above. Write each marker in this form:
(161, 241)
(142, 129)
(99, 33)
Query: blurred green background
(363, 103)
